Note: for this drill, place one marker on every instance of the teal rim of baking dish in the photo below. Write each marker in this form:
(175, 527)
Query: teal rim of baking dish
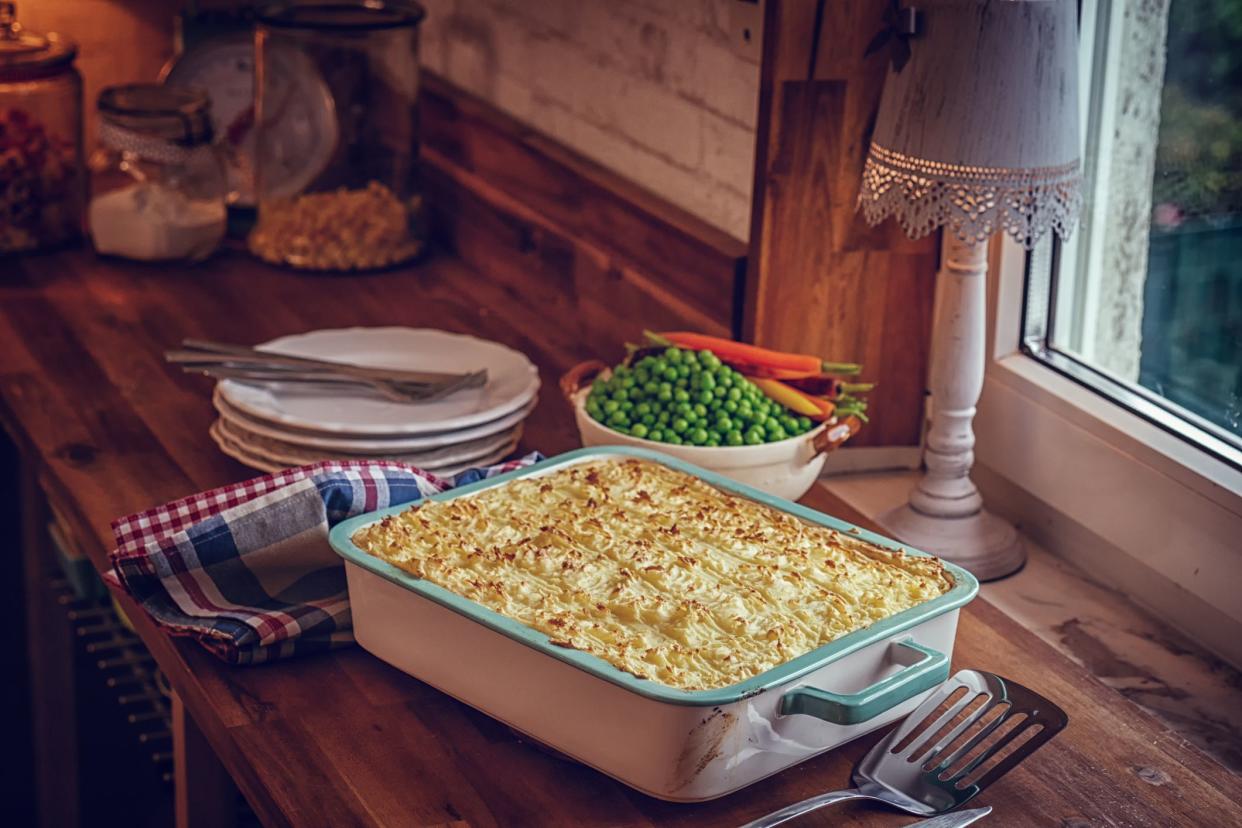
(965, 587)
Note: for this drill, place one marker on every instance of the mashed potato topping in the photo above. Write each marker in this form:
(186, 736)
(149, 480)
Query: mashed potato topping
(653, 570)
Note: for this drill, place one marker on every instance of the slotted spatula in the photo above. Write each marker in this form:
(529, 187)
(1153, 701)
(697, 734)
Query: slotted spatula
(968, 733)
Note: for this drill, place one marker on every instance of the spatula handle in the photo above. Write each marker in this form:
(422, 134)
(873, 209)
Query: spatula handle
(799, 808)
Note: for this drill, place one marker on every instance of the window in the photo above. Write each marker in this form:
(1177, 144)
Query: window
(1144, 303)
(1108, 428)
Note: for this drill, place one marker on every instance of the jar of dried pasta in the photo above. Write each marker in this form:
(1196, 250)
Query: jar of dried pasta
(337, 134)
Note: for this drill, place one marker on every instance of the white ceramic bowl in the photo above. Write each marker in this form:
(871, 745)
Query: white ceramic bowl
(787, 468)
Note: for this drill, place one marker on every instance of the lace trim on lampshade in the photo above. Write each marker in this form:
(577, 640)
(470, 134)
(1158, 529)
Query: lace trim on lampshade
(973, 202)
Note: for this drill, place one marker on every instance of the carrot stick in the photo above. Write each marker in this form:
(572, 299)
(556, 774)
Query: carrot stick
(831, 387)
(752, 356)
(793, 399)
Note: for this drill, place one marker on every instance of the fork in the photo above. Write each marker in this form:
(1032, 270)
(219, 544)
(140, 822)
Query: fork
(394, 390)
(203, 351)
(935, 761)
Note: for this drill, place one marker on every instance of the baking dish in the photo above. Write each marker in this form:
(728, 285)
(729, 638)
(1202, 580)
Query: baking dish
(672, 744)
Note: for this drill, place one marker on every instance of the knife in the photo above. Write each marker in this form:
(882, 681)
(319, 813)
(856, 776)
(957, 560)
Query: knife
(957, 819)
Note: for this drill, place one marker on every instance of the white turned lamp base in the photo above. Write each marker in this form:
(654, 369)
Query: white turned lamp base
(983, 544)
(945, 514)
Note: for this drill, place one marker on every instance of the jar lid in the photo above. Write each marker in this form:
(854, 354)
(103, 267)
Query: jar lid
(174, 114)
(26, 54)
(347, 15)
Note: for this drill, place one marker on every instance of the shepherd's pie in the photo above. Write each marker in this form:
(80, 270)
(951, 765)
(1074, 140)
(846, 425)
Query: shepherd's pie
(654, 571)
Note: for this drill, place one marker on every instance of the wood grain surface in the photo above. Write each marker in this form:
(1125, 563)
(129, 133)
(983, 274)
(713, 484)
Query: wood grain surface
(342, 739)
(820, 280)
(564, 232)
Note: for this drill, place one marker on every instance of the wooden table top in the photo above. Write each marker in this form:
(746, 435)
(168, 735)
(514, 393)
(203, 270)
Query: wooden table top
(343, 739)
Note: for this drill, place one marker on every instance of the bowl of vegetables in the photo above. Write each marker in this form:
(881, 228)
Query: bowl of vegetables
(761, 417)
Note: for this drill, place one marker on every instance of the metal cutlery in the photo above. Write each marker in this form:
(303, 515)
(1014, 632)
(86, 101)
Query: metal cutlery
(394, 390)
(957, 819)
(968, 733)
(246, 364)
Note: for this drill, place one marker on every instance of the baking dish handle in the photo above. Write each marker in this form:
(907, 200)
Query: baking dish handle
(848, 709)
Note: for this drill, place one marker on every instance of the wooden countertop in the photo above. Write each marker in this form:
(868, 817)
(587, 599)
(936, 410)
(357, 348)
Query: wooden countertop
(343, 739)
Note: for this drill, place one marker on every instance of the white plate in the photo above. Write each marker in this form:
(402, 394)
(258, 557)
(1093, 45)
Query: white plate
(282, 452)
(512, 382)
(254, 461)
(347, 444)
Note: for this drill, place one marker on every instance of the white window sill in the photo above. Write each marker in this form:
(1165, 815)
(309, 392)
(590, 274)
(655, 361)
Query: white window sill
(1126, 647)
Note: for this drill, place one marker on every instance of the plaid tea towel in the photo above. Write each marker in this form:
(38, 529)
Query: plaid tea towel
(247, 569)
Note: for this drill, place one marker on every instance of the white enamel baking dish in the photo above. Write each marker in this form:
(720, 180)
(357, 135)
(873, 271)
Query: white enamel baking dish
(673, 744)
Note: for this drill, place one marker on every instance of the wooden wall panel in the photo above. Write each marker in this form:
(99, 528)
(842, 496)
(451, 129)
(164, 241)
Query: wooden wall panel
(820, 280)
(610, 257)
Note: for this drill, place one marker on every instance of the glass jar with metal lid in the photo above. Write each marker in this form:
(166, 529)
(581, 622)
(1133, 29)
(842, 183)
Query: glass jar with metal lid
(336, 155)
(42, 186)
(158, 185)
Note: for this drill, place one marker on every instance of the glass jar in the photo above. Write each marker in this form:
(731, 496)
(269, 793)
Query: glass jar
(337, 134)
(42, 186)
(158, 186)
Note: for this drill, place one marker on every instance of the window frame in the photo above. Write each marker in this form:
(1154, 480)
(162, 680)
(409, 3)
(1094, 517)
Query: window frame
(1133, 505)
(1130, 502)
(1056, 285)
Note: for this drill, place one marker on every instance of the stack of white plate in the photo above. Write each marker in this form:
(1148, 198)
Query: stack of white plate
(273, 426)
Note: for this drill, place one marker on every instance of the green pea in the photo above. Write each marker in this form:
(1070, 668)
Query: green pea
(648, 420)
(639, 430)
(650, 387)
(724, 424)
(611, 406)
(700, 410)
(709, 360)
(707, 381)
(683, 408)
(642, 408)
(620, 394)
(788, 423)
(664, 395)
(804, 423)
(672, 439)
(683, 370)
(706, 397)
(680, 425)
(729, 406)
(724, 377)
(712, 442)
(734, 438)
(663, 417)
(681, 394)
(656, 434)
(670, 374)
(720, 391)
(617, 418)
(698, 436)
(673, 355)
(753, 439)
(734, 394)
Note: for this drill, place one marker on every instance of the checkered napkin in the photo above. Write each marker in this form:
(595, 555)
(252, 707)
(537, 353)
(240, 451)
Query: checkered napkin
(247, 569)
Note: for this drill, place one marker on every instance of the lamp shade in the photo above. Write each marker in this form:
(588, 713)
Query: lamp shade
(978, 129)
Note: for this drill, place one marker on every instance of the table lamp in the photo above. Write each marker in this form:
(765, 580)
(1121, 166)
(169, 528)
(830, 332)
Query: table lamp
(977, 132)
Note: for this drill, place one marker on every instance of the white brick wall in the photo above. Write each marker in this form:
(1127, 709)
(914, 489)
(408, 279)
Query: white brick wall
(654, 89)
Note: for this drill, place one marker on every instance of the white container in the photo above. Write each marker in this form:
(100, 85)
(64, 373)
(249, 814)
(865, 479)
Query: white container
(787, 468)
(673, 744)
